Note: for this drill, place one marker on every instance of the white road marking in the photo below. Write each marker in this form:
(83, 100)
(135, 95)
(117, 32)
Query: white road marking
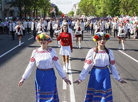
(128, 56)
(31, 38)
(72, 95)
(10, 50)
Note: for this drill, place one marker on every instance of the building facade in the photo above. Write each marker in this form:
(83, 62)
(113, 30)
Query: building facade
(75, 7)
(7, 10)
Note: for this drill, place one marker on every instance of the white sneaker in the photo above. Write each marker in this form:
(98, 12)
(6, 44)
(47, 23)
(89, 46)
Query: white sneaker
(19, 43)
(119, 47)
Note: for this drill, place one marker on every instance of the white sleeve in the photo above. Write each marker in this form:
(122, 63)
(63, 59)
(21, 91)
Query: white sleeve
(16, 27)
(113, 67)
(30, 66)
(57, 64)
(88, 64)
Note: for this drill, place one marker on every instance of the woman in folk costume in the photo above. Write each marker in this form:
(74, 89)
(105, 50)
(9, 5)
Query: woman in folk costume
(99, 58)
(57, 30)
(45, 80)
(121, 35)
(66, 45)
(40, 26)
(97, 27)
(19, 31)
(78, 33)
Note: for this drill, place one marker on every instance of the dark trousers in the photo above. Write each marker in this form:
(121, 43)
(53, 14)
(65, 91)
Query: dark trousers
(33, 33)
(28, 30)
(82, 35)
(107, 30)
(92, 31)
(12, 34)
(128, 33)
(115, 32)
(23, 32)
(51, 33)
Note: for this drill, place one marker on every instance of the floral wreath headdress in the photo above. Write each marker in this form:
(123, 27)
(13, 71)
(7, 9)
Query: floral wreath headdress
(99, 34)
(44, 36)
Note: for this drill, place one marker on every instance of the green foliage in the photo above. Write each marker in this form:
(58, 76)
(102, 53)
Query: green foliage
(71, 13)
(34, 5)
(108, 7)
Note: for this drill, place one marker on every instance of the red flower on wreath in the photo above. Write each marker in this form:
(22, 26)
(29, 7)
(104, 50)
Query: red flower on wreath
(107, 36)
(96, 37)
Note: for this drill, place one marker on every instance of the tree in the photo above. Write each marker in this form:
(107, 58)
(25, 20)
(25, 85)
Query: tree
(127, 7)
(71, 13)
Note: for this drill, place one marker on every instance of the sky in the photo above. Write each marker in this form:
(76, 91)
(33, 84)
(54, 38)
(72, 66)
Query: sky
(65, 5)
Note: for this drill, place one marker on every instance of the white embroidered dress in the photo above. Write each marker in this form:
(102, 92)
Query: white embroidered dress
(101, 60)
(43, 59)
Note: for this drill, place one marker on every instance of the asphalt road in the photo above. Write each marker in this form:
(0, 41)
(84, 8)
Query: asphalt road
(14, 60)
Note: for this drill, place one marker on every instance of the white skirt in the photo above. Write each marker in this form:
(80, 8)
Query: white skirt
(65, 50)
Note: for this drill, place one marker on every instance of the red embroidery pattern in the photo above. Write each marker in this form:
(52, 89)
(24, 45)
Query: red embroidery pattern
(94, 49)
(32, 59)
(88, 61)
(55, 58)
(112, 62)
(50, 49)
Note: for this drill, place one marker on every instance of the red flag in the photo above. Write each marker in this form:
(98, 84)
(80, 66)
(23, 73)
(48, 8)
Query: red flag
(63, 15)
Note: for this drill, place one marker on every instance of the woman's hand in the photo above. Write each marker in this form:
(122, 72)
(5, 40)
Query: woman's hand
(21, 82)
(77, 81)
(122, 81)
(67, 81)
(71, 50)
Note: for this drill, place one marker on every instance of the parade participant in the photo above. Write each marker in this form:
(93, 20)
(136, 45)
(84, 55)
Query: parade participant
(110, 26)
(115, 27)
(57, 31)
(78, 34)
(92, 27)
(45, 23)
(99, 58)
(12, 30)
(97, 27)
(73, 25)
(50, 27)
(134, 28)
(29, 26)
(102, 24)
(128, 25)
(82, 26)
(34, 28)
(121, 35)
(107, 25)
(40, 26)
(66, 45)
(25, 26)
(19, 31)
(88, 26)
(137, 29)
(45, 80)
(85, 22)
